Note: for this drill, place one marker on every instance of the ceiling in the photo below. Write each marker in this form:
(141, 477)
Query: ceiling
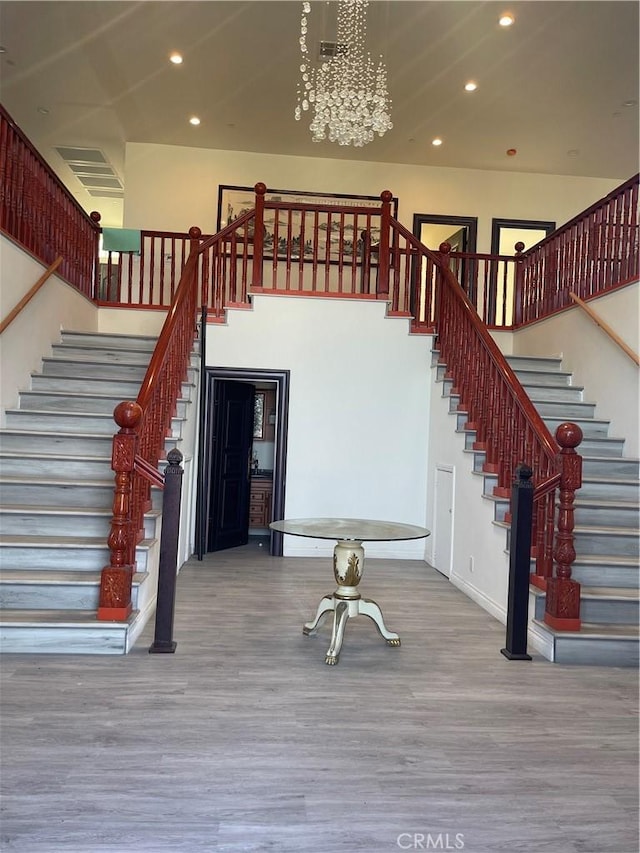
(560, 86)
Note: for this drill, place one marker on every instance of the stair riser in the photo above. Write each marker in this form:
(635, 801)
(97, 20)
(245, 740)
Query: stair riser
(54, 596)
(63, 422)
(126, 389)
(602, 516)
(596, 652)
(83, 469)
(133, 372)
(108, 639)
(601, 611)
(523, 362)
(113, 341)
(610, 491)
(566, 411)
(61, 402)
(620, 544)
(592, 429)
(86, 558)
(123, 389)
(618, 468)
(96, 353)
(66, 495)
(567, 394)
(56, 443)
(535, 378)
(67, 524)
(610, 447)
(619, 577)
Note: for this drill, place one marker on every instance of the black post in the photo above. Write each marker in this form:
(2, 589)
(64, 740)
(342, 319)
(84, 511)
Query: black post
(163, 640)
(519, 565)
(201, 502)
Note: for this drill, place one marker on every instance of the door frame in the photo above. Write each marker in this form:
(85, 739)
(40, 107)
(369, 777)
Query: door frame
(470, 222)
(252, 375)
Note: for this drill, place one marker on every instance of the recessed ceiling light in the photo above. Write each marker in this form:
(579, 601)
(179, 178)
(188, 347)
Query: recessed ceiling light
(3, 49)
(470, 86)
(43, 111)
(511, 152)
(630, 103)
(437, 141)
(194, 120)
(506, 20)
(176, 58)
(572, 152)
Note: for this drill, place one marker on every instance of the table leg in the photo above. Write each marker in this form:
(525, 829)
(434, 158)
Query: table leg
(325, 606)
(370, 608)
(340, 616)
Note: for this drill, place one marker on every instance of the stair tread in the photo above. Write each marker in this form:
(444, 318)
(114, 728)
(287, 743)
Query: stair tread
(609, 592)
(605, 503)
(62, 541)
(65, 510)
(607, 560)
(617, 531)
(38, 576)
(593, 630)
(43, 392)
(59, 618)
(49, 481)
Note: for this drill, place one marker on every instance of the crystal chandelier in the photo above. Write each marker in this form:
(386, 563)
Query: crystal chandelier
(347, 94)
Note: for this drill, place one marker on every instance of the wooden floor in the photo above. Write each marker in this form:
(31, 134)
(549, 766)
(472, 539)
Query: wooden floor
(244, 740)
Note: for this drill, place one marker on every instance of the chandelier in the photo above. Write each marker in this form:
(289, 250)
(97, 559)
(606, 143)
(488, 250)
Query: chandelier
(347, 94)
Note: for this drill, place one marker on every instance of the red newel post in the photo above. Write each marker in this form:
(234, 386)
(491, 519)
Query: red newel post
(518, 284)
(115, 582)
(563, 594)
(258, 235)
(382, 291)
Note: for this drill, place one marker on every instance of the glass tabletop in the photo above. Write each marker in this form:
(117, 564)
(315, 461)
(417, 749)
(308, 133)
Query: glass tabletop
(358, 529)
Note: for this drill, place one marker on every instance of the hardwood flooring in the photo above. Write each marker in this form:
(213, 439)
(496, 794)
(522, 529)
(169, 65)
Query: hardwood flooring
(244, 740)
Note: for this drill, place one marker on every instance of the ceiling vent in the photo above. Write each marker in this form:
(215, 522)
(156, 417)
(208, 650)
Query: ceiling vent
(332, 48)
(93, 170)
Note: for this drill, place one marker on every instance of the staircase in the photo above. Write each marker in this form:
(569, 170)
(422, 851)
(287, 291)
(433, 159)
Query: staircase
(606, 535)
(56, 497)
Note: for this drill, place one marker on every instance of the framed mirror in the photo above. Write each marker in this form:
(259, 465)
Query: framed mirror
(258, 415)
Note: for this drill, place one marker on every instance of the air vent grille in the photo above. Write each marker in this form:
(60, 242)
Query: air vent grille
(332, 48)
(93, 171)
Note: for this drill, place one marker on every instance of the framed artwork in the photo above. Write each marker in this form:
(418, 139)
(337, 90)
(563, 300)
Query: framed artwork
(234, 201)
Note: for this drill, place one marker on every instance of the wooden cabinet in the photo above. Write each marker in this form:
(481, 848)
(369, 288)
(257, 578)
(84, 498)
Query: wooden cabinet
(260, 505)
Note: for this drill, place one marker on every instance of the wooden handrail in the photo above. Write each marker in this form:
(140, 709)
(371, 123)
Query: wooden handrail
(605, 328)
(11, 316)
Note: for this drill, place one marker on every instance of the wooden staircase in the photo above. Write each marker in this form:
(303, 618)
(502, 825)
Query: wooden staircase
(607, 538)
(56, 497)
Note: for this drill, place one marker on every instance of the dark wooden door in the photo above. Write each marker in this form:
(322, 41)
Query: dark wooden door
(230, 476)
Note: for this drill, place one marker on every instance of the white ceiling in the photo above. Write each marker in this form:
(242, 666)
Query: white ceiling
(560, 86)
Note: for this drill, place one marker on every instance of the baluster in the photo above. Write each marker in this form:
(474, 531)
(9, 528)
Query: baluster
(258, 235)
(115, 582)
(383, 256)
(563, 594)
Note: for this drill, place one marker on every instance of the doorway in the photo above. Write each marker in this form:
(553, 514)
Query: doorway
(241, 409)
(461, 232)
(505, 233)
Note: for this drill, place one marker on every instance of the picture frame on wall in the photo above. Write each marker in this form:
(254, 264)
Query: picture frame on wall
(234, 201)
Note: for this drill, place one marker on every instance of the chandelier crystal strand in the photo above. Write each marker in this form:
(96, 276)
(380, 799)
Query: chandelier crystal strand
(347, 94)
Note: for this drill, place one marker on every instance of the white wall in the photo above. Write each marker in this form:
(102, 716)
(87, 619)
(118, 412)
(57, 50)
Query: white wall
(172, 188)
(358, 408)
(609, 376)
(480, 566)
(28, 338)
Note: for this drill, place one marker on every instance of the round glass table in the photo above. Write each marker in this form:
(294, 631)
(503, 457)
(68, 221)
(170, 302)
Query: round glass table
(348, 565)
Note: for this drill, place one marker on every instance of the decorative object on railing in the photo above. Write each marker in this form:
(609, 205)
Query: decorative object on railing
(606, 328)
(29, 295)
(39, 213)
(347, 93)
(562, 610)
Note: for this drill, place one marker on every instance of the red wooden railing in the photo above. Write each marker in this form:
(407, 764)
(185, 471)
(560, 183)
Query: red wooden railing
(139, 444)
(595, 252)
(40, 214)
